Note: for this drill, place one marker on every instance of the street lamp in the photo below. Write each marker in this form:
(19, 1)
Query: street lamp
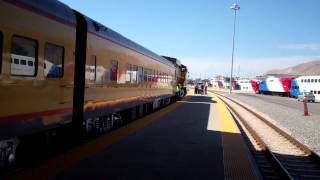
(234, 7)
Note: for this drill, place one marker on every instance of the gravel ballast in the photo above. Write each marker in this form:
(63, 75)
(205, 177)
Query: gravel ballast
(305, 129)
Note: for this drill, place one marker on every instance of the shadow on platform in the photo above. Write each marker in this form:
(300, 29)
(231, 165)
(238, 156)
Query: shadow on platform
(175, 146)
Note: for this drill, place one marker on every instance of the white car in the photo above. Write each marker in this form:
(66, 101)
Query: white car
(309, 96)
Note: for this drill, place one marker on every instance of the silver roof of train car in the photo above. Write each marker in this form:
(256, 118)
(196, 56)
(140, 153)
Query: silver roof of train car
(52, 8)
(108, 33)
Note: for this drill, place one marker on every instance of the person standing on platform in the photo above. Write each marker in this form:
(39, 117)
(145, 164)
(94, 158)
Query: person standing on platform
(180, 91)
(202, 88)
(205, 87)
(177, 91)
(196, 89)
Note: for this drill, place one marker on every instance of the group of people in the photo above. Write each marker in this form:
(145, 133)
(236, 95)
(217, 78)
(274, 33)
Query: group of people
(201, 88)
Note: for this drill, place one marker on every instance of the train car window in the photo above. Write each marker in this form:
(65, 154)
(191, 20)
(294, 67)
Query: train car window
(145, 75)
(314, 92)
(23, 49)
(312, 80)
(128, 73)
(91, 69)
(53, 60)
(157, 76)
(1, 46)
(140, 74)
(162, 77)
(301, 80)
(30, 63)
(114, 70)
(308, 80)
(316, 80)
(318, 92)
(150, 75)
(23, 62)
(93, 63)
(154, 74)
(16, 61)
(134, 74)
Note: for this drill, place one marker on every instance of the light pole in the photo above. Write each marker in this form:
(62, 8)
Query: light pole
(234, 7)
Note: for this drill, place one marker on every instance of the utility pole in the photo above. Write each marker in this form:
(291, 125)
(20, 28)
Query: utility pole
(234, 7)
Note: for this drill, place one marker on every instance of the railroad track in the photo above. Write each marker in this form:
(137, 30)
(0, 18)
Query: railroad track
(289, 158)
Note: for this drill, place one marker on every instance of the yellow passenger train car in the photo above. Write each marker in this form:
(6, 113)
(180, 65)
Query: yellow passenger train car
(59, 67)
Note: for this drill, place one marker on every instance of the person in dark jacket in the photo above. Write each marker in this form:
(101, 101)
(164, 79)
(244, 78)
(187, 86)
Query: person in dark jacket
(202, 88)
(196, 89)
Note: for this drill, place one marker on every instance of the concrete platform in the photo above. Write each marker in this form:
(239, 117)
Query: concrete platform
(192, 139)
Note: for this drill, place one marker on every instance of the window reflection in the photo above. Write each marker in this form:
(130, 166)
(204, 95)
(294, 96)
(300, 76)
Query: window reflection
(23, 50)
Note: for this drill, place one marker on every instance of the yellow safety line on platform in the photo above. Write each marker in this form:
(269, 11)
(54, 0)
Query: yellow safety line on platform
(69, 159)
(236, 161)
(226, 122)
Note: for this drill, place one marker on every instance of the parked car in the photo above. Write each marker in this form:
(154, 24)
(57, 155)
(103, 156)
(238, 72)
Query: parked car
(309, 96)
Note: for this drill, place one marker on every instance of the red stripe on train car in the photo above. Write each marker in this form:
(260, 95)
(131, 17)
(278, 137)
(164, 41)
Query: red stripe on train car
(286, 83)
(32, 115)
(254, 85)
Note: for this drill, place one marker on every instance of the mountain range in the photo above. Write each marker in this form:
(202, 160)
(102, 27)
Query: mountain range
(308, 68)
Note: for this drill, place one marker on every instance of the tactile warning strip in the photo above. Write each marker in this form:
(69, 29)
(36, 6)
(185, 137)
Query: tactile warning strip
(236, 158)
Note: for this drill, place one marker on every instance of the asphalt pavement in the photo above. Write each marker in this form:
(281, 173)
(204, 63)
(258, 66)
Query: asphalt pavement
(177, 146)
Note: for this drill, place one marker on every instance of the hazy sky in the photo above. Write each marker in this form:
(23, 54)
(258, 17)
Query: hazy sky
(269, 33)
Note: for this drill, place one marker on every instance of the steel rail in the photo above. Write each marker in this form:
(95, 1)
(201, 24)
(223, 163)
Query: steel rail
(279, 167)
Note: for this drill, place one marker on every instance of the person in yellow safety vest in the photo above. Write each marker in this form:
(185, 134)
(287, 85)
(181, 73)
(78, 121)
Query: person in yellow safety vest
(178, 90)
